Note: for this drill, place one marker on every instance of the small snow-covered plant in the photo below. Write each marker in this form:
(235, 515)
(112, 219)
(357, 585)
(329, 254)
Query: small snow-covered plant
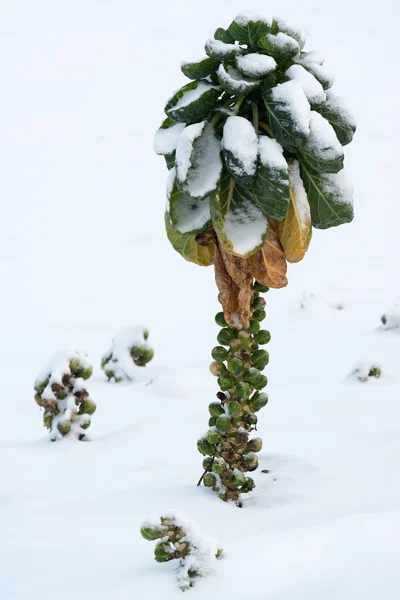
(180, 539)
(363, 371)
(254, 147)
(391, 318)
(129, 349)
(61, 390)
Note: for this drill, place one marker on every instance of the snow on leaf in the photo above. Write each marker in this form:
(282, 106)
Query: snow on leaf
(166, 138)
(199, 69)
(187, 247)
(289, 114)
(310, 85)
(293, 31)
(240, 146)
(322, 150)
(233, 82)
(222, 51)
(281, 46)
(320, 73)
(255, 65)
(187, 214)
(192, 103)
(339, 116)
(271, 183)
(248, 27)
(198, 160)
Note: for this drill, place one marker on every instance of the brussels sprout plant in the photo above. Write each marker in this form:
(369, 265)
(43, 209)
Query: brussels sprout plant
(129, 349)
(254, 147)
(61, 391)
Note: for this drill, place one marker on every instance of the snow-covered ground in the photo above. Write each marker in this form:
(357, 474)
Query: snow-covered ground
(83, 252)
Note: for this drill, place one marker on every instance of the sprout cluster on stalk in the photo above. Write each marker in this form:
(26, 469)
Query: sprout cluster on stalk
(129, 349)
(61, 391)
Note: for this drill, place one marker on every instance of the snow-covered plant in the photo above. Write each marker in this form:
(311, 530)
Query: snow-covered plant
(391, 318)
(254, 147)
(363, 371)
(129, 349)
(180, 539)
(61, 390)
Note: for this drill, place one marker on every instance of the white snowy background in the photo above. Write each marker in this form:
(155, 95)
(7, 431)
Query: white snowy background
(83, 252)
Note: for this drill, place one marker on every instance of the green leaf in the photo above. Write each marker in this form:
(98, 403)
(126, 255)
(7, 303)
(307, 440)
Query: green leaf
(233, 82)
(319, 73)
(240, 147)
(322, 150)
(280, 46)
(221, 50)
(192, 103)
(240, 225)
(167, 136)
(187, 214)
(170, 160)
(200, 69)
(223, 35)
(248, 31)
(329, 195)
(291, 30)
(198, 160)
(289, 114)
(271, 184)
(339, 117)
(187, 246)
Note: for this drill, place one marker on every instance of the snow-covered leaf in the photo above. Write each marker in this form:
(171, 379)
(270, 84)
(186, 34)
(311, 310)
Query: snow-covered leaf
(240, 147)
(320, 73)
(187, 246)
(200, 69)
(166, 140)
(233, 82)
(292, 30)
(192, 103)
(223, 35)
(330, 196)
(239, 223)
(271, 184)
(339, 117)
(322, 150)
(255, 65)
(198, 160)
(221, 50)
(311, 86)
(248, 27)
(187, 214)
(281, 46)
(289, 114)
(295, 229)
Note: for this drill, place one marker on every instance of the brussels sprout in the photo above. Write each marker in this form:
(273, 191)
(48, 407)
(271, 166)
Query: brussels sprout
(225, 382)
(259, 303)
(86, 424)
(204, 447)
(141, 355)
(59, 391)
(263, 337)
(64, 427)
(220, 319)
(237, 478)
(258, 401)
(235, 366)
(250, 461)
(42, 385)
(213, 437)
(217, 368)
(260, 288)
(48, 420)
(234, 408)
(222, 423)
(226, 336)
(260, 359)
(151, 533)
(254, 445)
(163, 552)
(215, 409)
(253, 375)
(259, 314)
(212, 421)
(375, 372)
(251, 419)
(219, 353)
(219, 466)
(261, 383)
(87, 407)
(248, 485)
(243, 390)
(207, 463)
(254, 326)
(209, 480)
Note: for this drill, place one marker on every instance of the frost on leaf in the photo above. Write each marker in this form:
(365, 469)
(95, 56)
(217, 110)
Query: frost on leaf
(322, 150)
(310, 85)
(198, 161)
(295, 229)
(271, 184)
(268, 266)
(240, 146)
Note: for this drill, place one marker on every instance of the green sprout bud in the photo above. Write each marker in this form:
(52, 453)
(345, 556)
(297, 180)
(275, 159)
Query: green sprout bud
(215, 409)
(219, 466)
(248, 485)
(204, 447)
(250, 461)
(251, 419)
(226, 336)
(259, 303)
(375, 372)
(207, 463)
(262, 382)
(151, 533)
(213, 437)
(222, 423)
(254, 347)
(253, 376)
(86, 424)
(260, 288)
(42, 385)
(263, 337)
(258, 401)
(219, 552)
(163, 552)
(212, 421)
(141, 355)
(219, 353)
(243, 390)
(64, 427)
(220, 319)
(259, 314)
(217, 368)
(234, 408)
(237, 478)
(225, 382)
(48, 420)
(254, 445)
(87, 407)
(260, 359)
(235, 366)
(209, 480)
(254, 326)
